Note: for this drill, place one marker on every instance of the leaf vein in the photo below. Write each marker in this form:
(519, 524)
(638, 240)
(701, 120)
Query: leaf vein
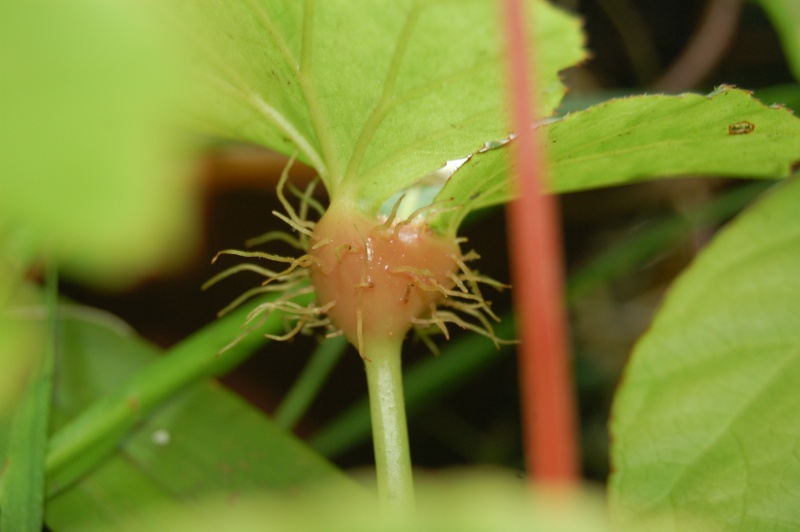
(385, 104)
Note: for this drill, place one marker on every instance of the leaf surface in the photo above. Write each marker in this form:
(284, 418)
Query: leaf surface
(785, 18)
(88, 161)
(375, 95)
(478, 501)
(204, 441)
(643, 137)
(706, 420)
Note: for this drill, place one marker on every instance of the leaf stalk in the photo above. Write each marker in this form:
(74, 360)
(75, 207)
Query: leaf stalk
(382, 361)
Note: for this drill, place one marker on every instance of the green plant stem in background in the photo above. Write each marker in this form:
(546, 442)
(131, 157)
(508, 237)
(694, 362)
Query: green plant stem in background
(309, 383)
(650, 240)
(94, 434)
(389, 428)
(22, 491)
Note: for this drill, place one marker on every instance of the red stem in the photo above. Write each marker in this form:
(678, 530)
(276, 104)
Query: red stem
(548, 402)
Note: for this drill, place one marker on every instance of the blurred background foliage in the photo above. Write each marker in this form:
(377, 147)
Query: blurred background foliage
(624, 246)
(88, 93)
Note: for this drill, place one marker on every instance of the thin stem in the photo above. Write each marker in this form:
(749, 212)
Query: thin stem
(705, 49)
(389, 429)
(22, 490)
(309, 383)
(549, 413)
(636, 38)
(425, 382)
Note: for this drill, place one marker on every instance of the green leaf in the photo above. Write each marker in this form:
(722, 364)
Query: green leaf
(638, 138)
(88, 160)
(204, 441)
(120, 391)
(706, 420)
(785, 17)
(477, 501)
(375, 95)
(787, 94)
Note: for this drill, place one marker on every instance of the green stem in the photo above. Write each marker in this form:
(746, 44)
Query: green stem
(389, 429)
(308, 384)
(22, 486)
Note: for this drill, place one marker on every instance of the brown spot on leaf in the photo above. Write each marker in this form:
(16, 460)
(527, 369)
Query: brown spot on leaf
(741, 128)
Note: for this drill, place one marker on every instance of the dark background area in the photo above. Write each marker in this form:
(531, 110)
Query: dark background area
(479, 423)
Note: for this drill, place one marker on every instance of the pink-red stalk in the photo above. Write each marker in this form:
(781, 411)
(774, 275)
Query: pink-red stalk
(548, 397)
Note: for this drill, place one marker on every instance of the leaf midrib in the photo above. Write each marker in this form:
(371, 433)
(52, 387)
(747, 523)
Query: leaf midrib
(385, 104)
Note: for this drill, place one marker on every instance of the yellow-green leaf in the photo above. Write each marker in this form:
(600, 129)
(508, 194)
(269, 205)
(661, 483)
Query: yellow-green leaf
(727, 133)
(706, 420)
(373, 94)
(88, 158)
